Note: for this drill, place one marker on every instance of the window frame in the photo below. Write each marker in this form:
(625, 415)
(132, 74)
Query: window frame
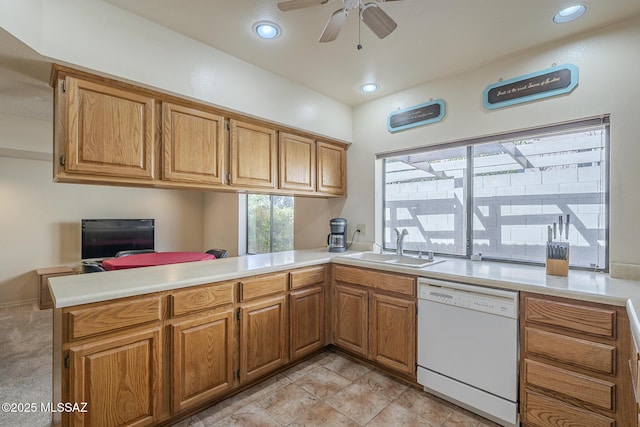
(599, 122)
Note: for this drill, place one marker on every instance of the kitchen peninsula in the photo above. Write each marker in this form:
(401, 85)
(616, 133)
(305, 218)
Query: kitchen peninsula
(152, 345)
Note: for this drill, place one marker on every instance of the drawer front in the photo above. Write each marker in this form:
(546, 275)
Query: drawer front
(263, 286)
(581, 387)
(307, 277)
(201, 298)
(544, 411)
(95, 320)
(590, 320)
(376, 279)
(574, 351)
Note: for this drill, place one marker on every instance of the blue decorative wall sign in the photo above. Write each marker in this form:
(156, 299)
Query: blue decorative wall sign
(419, 115)
(530, 87)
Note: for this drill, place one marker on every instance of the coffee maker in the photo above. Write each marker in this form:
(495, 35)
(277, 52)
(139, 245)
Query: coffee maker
(337, 240)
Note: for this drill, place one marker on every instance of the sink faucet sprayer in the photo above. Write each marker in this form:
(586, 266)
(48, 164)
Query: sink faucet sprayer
(400, 240)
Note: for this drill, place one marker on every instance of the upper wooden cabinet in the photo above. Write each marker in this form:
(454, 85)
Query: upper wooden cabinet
(253, 155)
(297, 167)
(111, 132)
(108, 131)
(332, 169)
(194, 145)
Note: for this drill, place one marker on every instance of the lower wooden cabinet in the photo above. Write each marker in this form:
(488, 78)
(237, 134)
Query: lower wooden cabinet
(375, 317)
(351, 322)
(119, 379)
(393, 332)
(306, 321)
(572, 354)
(263, 337)
(202, 358)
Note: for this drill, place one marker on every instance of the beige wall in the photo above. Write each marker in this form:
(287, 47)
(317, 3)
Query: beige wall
(40, 220)
(608, 61)
(221, 222)
(311, 221)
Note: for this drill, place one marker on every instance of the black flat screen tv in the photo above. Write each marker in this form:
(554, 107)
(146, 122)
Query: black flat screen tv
(103, 238)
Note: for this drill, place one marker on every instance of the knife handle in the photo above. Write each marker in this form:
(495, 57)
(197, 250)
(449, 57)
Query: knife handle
(560, 226)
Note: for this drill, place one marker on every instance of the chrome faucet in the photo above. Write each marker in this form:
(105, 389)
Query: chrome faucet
(400, 240)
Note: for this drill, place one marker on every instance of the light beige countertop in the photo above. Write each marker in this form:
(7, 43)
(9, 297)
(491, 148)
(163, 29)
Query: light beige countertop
(94, 287)
(579, 284)
(582, 285)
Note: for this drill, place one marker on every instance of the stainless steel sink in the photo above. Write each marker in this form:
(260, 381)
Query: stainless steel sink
(403, 260)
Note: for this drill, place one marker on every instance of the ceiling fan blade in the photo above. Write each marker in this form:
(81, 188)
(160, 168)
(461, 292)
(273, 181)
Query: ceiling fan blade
(377, 20)
(286, 6)
(335, 23)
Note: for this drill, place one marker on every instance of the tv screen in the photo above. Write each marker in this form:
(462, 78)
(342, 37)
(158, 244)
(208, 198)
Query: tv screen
(103, 238)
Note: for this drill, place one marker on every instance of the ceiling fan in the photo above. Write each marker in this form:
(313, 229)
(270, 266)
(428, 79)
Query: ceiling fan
(372, 15)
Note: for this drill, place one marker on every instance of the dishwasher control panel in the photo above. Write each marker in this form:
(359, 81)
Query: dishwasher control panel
(487, 300)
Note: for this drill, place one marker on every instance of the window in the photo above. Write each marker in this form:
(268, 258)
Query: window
(498, 196)
(425, 193)
(269, 223)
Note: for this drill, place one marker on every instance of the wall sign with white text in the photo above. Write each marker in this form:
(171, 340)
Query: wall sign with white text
(419, 115)
(530, 87)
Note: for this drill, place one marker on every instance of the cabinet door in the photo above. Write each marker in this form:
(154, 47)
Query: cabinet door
(332, 169)
(253, 155)
(306, 321)
(263, 337)
(202, 358)
(120, 379)
(393, 332)
(351, 318)
(193, 143)
(297, 162)
(110, 131)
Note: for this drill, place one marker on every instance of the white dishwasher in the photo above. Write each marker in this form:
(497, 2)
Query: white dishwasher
(468, 347)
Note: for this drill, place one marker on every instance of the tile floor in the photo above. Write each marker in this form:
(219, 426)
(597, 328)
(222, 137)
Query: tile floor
(333, 390)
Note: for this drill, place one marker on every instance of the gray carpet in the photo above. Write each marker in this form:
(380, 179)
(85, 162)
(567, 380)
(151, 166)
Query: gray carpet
(25, 363)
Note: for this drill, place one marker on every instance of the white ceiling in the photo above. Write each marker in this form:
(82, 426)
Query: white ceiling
(434, 38)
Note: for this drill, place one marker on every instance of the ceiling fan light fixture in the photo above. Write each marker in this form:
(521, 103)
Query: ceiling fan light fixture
(267, 30)
(369, 87)
(570, 13)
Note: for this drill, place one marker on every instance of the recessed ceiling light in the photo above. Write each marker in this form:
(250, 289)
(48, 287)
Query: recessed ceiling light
(570, 13)
(267, 30)
(369, 87)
